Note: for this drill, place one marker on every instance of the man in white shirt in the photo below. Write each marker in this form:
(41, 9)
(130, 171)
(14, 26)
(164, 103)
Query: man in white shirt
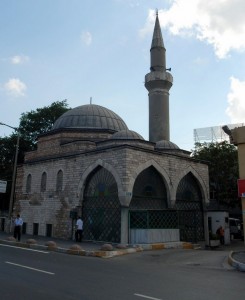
(18, 222)
(79, 230)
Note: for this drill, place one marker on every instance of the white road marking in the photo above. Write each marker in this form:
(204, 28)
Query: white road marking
(28, 249)
(147, 297)
(26, 267)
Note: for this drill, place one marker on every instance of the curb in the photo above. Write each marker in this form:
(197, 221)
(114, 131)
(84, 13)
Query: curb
(80, 252)
(102, 253)
(170, 245)
(234, 263)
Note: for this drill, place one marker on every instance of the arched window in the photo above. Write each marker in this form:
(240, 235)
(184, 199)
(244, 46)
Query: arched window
(28, 184)
(43, 182)
(59, 181)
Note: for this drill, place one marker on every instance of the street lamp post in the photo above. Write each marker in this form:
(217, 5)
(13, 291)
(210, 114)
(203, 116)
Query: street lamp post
(11, 202)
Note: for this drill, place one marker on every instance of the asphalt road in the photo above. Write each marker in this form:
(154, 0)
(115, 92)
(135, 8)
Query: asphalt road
(157, 275)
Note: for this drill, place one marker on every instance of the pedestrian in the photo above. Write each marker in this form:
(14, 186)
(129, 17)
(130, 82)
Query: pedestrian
(79, 230)
(221, 233)
(18, 222)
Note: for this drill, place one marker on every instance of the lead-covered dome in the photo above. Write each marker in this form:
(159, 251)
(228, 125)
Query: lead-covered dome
(90, 116)
(166, 145)
(126, 135)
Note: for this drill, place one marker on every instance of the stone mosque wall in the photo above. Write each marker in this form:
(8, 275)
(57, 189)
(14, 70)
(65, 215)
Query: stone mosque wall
(124, 162)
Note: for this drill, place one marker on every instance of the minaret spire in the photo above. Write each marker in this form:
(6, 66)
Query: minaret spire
(158, 82)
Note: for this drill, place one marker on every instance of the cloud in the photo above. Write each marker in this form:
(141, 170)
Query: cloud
(220, 23)
(236, 102)
(19, 59)
(15, 87)
(86, 38)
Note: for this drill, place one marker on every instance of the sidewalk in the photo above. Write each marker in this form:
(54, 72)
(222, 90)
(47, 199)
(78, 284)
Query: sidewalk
(86, 248)
(236, 257)
(54, 244)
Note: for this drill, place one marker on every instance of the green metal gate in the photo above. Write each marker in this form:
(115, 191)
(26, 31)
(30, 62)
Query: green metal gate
(189, 222)
(101, 208)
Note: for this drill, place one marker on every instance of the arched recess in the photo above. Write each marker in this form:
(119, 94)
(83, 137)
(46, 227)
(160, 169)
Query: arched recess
(28, 184)
(59, 181)
(203, 187)
(149, 204)
(165, 177)
(43, 186)
(189, 206)
(101, 209)
(90, 169)
(149, 191)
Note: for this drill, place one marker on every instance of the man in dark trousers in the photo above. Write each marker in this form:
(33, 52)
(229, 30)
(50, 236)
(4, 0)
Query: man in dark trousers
(79, 230)
(18, 222)
(221, 233)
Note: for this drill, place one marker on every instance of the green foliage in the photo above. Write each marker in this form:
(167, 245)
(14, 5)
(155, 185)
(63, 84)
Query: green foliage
(41, 120)
(32, 124)
(222, 159)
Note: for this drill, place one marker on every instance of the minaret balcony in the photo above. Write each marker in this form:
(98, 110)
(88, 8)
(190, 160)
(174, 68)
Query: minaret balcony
(158, 79)
(156, 75)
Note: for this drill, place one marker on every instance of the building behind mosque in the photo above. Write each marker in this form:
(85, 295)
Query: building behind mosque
(127, 189)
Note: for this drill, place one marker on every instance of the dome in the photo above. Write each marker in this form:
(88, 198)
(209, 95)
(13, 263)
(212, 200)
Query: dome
(166, 145)
(90, 116)
(126, 134)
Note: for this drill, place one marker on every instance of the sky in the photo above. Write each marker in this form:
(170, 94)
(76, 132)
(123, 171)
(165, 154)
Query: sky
(53, 50)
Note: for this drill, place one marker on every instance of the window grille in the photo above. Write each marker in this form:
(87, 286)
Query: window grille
(28, 183)
(101, 208)
(59, 182)
(43, 182)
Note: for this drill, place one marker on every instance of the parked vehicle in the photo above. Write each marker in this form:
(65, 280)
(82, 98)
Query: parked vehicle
(236, 229)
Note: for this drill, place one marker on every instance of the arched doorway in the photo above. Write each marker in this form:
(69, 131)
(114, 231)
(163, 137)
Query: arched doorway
(190, 209)
(101, 207)
(149, 201)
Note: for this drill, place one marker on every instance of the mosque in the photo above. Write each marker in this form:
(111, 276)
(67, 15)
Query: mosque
(127, 189)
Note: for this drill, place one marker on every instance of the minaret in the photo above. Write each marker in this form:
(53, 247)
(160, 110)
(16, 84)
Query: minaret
(158, 83)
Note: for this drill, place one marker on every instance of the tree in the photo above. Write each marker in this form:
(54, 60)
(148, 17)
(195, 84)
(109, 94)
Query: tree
(222, 159)
(7, 152)
(41, 120)
(32, 124)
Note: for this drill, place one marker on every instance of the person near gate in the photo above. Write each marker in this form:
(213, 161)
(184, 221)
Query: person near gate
(18, 222)
(79, 230)
(220, 231)
(222, 235)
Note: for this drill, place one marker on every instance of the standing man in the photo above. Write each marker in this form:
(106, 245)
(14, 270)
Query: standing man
(18, 222)
(79, 231)
(222, 235)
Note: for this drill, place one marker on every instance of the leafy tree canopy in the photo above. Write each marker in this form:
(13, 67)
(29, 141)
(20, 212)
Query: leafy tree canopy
(222, 159)
(40, 121)
(32, 124)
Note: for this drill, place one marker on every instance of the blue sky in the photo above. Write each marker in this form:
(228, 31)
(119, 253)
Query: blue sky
(76, 49)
